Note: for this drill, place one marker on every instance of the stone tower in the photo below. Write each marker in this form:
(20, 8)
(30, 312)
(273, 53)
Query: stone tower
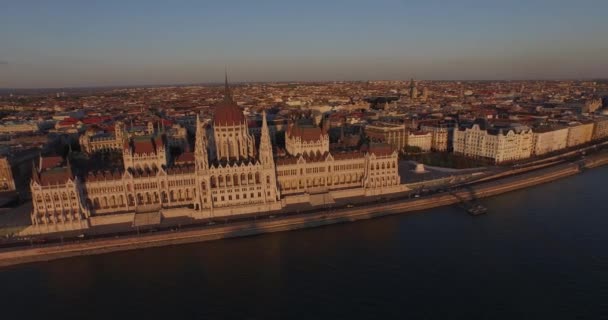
(413, 90)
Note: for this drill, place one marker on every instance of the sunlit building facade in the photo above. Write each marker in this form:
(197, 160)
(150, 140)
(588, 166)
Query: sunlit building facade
(230, 172)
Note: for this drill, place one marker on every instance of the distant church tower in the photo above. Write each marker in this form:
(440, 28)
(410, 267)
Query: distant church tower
(425, 94)
(119, 132)
(413, 90)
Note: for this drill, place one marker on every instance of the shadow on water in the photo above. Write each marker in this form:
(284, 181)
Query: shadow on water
(467, 199)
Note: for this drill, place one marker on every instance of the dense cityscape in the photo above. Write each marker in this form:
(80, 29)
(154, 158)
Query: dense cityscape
(386, 159)
(141, 155)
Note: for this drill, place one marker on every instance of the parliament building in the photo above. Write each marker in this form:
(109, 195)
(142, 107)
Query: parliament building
(230, 172)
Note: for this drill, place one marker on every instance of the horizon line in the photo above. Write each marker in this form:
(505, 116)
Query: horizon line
(148, 85)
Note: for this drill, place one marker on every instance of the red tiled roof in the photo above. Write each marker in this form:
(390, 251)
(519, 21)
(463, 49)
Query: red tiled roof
(142, 173)
(286, 160)
(68, 121)
(95, 120)
(228, 113)
(55, 176)
(103, 175)
(315, 157)
(140, 147)
(381, 149)
(181, 169)
(319, 157)
(306, 133)
(418, 133)
(185, 157)
(50, 162)
(348, 155)
(145, 145)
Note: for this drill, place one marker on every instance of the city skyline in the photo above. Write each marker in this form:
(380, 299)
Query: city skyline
(69, 44)
(278, 157)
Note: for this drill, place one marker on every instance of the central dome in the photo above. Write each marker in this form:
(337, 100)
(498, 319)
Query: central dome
(227, 112)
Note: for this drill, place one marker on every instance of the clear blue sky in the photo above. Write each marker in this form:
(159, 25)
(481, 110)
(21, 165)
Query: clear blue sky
(81, 43)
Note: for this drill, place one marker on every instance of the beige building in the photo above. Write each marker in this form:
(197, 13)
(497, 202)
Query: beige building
(600, 129)
(145, 153)
(546, 140)
(18, 126)
(227, 174)
(592, 105)
(579, 133)
(7, 183)
(420, 139)
(321, 170)
(500, 144)
(303, 137)
(439, 136)
(391, 133)
(92, 141)
(57, 197)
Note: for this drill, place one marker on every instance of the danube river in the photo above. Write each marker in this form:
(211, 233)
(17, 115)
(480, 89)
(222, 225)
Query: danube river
(538, 253)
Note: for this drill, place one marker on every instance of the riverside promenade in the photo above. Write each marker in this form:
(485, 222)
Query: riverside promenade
(14, 256)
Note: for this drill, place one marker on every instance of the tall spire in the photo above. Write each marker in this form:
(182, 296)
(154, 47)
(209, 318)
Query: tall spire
(200, 146)
(264, 123)
(35, 176)
(227, 93)
(265, 152)
(69, 167)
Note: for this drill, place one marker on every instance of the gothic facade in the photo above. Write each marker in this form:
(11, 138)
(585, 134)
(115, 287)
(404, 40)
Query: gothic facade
(228, 173)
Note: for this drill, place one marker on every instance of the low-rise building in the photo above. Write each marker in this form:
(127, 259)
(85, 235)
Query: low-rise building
(420, 139)
(592, 105)
(498, 143)
(600, 129)
(549, 139)
(18, 126)
(94, 141)
(579, 133)
(391, 133)
(439, 136)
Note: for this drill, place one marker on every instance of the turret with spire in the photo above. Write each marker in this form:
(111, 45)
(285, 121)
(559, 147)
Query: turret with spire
(227, 93)
(265, 151)
(200, 148)
(267, 160)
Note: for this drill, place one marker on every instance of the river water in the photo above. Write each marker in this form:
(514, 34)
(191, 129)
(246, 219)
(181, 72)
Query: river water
(538, 253)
